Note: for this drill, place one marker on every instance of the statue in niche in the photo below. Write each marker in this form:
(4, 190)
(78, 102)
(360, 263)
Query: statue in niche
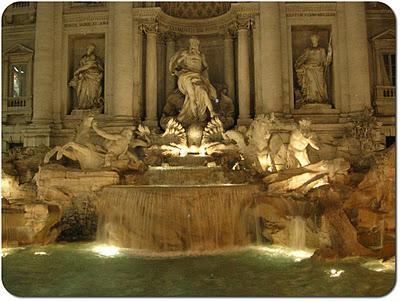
(190, 66)
(312, 69)
(87, 81)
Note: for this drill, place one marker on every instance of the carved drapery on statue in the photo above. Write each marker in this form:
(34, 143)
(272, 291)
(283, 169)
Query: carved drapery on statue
(87, 82)
(311, 68)
(190, 67)
(195, 100)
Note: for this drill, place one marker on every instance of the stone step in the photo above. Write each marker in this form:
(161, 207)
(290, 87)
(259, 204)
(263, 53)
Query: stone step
(189, 160)
(187, 176)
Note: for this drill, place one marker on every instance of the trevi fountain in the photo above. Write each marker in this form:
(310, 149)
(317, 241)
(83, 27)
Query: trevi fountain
(198, 149)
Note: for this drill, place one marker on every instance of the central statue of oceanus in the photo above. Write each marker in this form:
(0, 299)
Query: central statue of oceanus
(191, 68)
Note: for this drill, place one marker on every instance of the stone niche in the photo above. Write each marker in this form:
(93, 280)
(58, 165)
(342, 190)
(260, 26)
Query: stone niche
(301, 35)
(76, 49)
(212, 46)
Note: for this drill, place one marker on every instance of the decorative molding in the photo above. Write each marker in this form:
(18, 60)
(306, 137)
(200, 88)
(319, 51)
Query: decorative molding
(195, 10)
(14, 31)
(241, 24)
(245, 10)
(387, 34)
(381, 14)
(190, 27)
(149, 28)
(84, 7)
(385, 41)
(146, 14)
(85, 19)
(18, 48)
(215, 25)
(310, 9)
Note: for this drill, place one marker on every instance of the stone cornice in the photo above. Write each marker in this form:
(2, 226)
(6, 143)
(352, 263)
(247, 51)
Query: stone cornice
(310, 9)
(76, 8)
(146, 14)
(14, 30)
(214, 25)
(85, 19)
(382, 14)
(245, 10)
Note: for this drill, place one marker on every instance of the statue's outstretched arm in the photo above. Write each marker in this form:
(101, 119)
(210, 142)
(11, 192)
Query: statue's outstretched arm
(313, 143)
(103, 133)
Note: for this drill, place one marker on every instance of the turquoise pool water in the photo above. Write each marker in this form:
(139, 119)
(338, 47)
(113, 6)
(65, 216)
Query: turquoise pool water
(78, 270)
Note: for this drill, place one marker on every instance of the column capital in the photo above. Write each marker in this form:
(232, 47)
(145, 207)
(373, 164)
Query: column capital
(149, 28)
(244, 24)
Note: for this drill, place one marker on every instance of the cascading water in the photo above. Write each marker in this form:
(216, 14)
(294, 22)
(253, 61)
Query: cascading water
(297, 233)
(176, 218)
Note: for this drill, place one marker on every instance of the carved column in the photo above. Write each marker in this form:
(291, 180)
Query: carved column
(357, 56)
(243, 71)
(271, 72)
(229, 64)
(151, 74)
(137, 70)
(169, 79)
(123, 60)
(43, 76)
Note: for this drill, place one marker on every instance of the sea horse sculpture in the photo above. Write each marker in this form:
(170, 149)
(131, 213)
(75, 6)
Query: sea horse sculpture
(92, 156)
(80, 149)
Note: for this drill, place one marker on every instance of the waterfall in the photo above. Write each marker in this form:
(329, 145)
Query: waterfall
(381, 232)
(175, 218)
(297, 233)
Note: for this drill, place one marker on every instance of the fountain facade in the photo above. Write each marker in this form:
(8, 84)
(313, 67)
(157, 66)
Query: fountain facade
(220, 143)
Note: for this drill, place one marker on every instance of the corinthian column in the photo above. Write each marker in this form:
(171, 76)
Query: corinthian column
(43, 77)
(137, 71)
(123, 60)
(151, 74)
(169, 79)
(243, 71)
(229, 64)
(357, 56)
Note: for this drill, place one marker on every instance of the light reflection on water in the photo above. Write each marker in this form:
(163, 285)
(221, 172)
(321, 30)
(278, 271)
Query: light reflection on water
(77, 270)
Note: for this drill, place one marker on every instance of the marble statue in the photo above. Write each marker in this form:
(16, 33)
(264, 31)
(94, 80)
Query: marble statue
(87, 81)
(92, 156)
(311, 69)
(190, 66)
(300, 138)
(225, 109)
(116, 145)
(80, 149)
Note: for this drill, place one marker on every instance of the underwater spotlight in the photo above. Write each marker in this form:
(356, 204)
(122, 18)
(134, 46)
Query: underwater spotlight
(333, 273)
(106, 250)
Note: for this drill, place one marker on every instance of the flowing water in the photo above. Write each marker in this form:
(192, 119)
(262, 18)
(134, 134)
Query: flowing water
(297, 233)
(176, 218)
(80, 270)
